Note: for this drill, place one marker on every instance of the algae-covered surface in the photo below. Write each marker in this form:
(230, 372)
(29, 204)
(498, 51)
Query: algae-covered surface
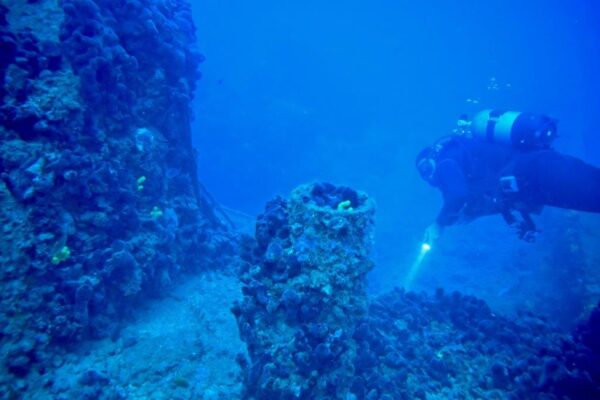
(43, 18)
(180, 347)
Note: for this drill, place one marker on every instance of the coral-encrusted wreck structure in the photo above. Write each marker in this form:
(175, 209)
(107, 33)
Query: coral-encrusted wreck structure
(312, 333)
(305, 281)
(99, 199)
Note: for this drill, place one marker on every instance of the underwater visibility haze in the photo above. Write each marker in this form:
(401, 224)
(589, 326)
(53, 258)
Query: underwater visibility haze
(350, 93)
(224, 199)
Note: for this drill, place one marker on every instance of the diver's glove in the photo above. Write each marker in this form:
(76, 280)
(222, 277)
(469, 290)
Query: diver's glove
(527, 232)
(432, 233)
(526, 229)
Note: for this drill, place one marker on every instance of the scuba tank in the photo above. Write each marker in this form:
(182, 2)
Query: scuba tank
(519, 129)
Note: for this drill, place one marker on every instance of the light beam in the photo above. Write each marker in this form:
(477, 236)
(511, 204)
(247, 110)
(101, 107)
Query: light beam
(416, 266)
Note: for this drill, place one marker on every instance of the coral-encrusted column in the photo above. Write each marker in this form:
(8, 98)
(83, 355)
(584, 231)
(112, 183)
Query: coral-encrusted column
(304, 291)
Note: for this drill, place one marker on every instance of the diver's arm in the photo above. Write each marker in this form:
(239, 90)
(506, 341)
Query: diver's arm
(432, 233)
(452, 182)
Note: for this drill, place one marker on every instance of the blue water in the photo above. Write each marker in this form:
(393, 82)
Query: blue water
(349, 92)
(145, 252)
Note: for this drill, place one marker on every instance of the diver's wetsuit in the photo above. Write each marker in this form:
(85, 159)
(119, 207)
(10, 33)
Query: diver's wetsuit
(559, 180)
(468, 173)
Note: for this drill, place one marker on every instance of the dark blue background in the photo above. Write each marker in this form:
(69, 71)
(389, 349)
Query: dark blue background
(349, 91)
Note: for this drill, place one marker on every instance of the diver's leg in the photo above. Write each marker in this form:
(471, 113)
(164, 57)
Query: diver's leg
(567, 182)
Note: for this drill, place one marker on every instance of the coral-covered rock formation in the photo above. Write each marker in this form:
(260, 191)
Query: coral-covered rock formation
(310, 333)
(304, 291)
(415, 346)
(99, 198)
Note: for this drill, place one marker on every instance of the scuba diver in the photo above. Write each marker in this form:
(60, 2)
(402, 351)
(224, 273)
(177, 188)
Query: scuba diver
(501, 162)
